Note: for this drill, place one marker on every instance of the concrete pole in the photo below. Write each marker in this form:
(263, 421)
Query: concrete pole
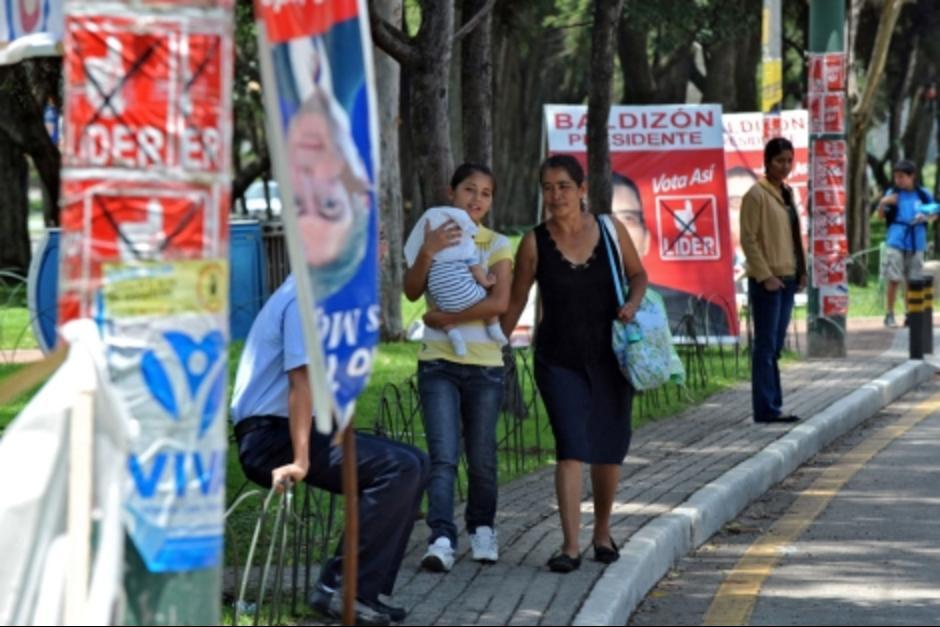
(828, 292)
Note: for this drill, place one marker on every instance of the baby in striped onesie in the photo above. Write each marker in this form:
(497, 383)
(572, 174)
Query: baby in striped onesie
(457, 279)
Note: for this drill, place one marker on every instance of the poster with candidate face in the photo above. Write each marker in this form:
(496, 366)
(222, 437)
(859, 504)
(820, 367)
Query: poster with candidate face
(745, 135)
(317, 69)
(669, 192)
(144, 252)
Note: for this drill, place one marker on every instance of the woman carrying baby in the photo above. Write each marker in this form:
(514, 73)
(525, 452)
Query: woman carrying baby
(462, 394)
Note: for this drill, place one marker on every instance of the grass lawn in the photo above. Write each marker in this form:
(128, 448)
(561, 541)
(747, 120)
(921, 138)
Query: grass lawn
(9, 411)
(15, 329)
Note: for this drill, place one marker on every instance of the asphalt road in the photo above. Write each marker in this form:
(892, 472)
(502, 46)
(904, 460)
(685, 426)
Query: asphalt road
(852, 538)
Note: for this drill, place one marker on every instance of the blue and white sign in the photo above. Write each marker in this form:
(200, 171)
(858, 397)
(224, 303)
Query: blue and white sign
(321, 109)
(30, 28)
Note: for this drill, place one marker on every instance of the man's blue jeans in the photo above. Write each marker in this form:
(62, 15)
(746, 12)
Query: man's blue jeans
(458, 398)
(770, 312)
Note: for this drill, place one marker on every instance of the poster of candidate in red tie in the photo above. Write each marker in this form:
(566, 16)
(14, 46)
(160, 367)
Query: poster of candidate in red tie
(669, 191)
(316, 65)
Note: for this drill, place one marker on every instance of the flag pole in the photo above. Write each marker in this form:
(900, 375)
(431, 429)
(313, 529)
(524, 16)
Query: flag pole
(351, 533)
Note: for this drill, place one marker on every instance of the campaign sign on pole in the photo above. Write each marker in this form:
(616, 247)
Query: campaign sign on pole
(830, 242)
(320, 103)
(745, 135)
(144, 251)
(30, 28)
(669, 191)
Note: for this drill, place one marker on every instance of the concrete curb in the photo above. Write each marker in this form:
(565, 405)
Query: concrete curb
(657, 546)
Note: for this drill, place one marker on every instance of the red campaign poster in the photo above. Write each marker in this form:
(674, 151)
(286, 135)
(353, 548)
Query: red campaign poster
(106, 221)
(835, 300)
(829, 198)
(828, 173)
(144, 94)
(817, 113)
(835, 305)
(828, 222)
(817, 73)
(827, 113)
(834, 113)
(826, 72)
(830, 148)
(669, 191)
(829, 270)
(834, 71)
(744, 137)
(832, 245)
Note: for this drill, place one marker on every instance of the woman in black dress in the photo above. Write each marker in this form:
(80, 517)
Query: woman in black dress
(587, 398)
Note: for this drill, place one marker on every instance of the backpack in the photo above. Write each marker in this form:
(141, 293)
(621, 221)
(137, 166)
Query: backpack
(891, 211)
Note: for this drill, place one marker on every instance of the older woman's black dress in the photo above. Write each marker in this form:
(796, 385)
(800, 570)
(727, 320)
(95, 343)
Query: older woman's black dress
(587, 398)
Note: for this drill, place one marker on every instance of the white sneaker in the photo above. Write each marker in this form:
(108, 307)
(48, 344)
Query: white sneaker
(484, 545)
(440, 556)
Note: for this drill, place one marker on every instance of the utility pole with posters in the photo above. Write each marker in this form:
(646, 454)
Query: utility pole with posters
(771, 58)
(828, 292)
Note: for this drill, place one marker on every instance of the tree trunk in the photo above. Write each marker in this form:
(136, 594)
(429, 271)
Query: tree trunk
(430, 100)
(639, 87)
(14, 220)
(745, 71)
(476, 79)
(517, 120)
(673, 75)
(606, 17)
(720, 63)
(388, 83)
(862, 106)
(919, 124)
(22, 122)
(896, 104)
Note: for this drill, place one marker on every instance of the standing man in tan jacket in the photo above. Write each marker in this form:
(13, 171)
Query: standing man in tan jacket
(776, 270)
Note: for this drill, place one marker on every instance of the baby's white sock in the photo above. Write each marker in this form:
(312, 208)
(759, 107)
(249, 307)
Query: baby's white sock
(496, 334)
(456, 340)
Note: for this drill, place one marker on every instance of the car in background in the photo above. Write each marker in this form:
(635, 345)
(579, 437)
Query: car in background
(255, 205)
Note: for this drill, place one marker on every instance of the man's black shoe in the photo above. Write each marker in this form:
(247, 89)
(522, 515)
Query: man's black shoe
(397, 614)
(329, 603)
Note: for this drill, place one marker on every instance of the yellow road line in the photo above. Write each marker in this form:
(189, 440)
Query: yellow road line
(735, 599)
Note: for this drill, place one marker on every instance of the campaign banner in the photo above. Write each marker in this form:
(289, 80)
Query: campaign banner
(30, 28)
(144, 253)
(835, 300)
(146, 99)
(830, 240)
(669, 191)
(826, 93)
(745, 135)
(319, 97)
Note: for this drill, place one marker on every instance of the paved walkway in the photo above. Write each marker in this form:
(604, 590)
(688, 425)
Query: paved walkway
(669, 461)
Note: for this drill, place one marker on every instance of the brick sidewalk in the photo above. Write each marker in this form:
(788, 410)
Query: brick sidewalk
(668, 461)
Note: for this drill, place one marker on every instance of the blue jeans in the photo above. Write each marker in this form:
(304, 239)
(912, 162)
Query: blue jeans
(770, 312)
(460, 398)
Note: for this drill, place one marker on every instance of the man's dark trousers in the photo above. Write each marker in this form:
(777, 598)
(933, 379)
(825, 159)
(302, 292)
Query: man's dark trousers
(392, 478)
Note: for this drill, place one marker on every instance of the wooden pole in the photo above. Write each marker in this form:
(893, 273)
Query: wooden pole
(351, 534)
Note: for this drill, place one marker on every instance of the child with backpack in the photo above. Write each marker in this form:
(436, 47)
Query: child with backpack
(906, 237)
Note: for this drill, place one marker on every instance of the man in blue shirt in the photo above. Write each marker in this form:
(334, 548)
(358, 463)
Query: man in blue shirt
(272, 409)
(906, 235)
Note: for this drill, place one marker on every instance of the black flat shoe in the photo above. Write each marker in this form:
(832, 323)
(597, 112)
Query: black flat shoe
(606, 554)
(563, 563)
(783, 418)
